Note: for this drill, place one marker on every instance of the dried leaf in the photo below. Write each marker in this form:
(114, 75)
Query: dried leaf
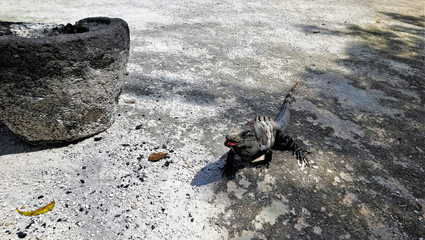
(42, 210)
(156, 156)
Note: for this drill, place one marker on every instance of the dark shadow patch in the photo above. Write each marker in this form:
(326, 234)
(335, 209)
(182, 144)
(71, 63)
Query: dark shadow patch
(413, 20)
(210, 173)
(11, 143)
(150, 87)
(379, 199)
(214, 172)
(388, 59)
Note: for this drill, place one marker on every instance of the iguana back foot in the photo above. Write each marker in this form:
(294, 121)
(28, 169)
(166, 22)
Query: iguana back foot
(265, 159)
(285, 142)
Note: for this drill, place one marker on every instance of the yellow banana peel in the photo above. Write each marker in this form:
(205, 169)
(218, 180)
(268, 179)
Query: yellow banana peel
(42, 210)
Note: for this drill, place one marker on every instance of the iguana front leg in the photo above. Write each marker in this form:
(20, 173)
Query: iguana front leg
(287, 143)
(229, 169)
(265, 155)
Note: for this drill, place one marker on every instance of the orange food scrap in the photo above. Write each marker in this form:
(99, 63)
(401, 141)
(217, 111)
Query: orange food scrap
(42, 210)
(156, 156)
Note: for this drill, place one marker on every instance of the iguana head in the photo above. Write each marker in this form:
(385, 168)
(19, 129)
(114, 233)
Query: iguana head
(244, 144)
(233, 140)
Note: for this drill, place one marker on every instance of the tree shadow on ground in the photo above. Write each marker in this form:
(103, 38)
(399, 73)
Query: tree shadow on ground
(370, 178)
(379, 87)
(370, 183)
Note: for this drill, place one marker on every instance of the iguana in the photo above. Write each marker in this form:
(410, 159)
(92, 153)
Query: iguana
(256, 141)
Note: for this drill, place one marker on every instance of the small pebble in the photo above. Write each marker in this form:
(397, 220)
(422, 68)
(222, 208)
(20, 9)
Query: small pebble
(21, 234)
(29, 225)
(129, 101)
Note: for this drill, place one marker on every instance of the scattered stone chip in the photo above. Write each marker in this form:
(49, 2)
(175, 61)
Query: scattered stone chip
(153, 157)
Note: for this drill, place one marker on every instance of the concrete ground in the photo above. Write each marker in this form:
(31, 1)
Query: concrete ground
(200, 68)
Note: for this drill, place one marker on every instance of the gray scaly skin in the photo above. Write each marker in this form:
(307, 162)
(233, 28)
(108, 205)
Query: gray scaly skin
(261, 136)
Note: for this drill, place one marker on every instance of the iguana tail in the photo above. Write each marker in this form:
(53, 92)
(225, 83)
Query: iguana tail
(283, 117)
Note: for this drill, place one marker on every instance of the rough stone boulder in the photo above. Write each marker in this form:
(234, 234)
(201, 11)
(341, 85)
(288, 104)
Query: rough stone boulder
(61, 83)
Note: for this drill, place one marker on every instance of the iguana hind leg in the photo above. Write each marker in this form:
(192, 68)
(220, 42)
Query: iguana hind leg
(265, 158)
(285, 142)
(268, 157)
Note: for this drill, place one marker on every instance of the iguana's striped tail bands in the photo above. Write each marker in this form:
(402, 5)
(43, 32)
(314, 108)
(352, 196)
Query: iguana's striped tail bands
(283, 117)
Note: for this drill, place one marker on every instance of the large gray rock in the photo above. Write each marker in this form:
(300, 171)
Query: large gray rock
(61, 83)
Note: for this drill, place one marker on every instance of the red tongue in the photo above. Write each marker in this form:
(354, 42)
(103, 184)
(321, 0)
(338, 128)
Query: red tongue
(229, 143)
